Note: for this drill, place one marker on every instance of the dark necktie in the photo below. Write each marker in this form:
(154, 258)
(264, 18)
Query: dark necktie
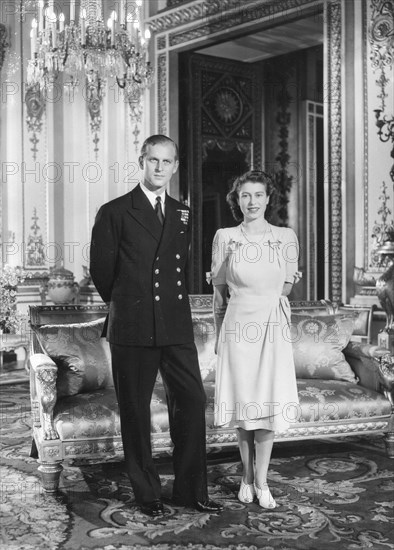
(159, 210)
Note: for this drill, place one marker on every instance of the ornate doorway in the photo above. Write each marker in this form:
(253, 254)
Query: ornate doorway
(187, 28)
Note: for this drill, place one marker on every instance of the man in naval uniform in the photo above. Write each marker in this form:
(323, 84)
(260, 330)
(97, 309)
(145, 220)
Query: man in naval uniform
(139, 253)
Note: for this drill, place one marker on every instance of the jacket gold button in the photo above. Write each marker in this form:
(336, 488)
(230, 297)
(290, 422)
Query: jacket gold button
(178, 269)
(180, 296)
(179, 283)
(157, 298)
(157, 271)
(177, 256)
(157, 285)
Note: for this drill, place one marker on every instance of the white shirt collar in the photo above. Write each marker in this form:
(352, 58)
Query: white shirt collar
(152, 196)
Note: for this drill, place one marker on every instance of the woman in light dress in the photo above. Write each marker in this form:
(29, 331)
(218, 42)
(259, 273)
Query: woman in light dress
(255, 264)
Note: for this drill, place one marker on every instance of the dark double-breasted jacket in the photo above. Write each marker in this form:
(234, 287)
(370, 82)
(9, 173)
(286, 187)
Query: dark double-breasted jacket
(139, 267)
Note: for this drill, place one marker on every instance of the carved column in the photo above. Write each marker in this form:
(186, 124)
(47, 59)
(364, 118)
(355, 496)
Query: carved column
(334, 150)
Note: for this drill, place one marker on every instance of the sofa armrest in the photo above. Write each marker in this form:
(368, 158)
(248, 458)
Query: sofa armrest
(368, 351)
(371, 365)
(43, 392)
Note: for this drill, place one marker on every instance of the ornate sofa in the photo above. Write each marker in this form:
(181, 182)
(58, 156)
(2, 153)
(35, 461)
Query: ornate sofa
(74, 407)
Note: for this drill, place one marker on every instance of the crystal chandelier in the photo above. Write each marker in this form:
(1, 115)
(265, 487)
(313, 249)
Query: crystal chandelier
(91, 50)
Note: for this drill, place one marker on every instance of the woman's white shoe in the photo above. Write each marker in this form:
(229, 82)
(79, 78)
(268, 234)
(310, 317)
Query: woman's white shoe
(266, 500)
(246, 492)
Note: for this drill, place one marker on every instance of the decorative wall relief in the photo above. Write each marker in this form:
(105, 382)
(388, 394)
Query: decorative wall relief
(35, 249)
(35, 109)
(4, 45)
(94, 97)
(3, 48)
(382, 56)
(280, 74)
(383, 230)
(281, 177)
(381, 36)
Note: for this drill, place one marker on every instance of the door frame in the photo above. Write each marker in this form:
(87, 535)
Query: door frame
(188, 27)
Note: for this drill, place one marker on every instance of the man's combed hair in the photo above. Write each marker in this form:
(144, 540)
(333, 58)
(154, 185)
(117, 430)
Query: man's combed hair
(253, 176)
(158, 139)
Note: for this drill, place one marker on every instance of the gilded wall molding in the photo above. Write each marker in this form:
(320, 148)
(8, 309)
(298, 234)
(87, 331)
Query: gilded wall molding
(366, 137)
(222, 13)
(334, 160)
(218, 23)
(190, 14)
(161, 42)
(162, 91)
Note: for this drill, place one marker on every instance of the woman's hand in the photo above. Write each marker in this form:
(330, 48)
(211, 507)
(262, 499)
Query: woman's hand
(287, 289)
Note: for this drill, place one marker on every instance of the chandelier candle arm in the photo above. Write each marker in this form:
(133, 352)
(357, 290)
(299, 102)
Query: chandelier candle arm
(61, 22)
(33, 36)
(83, 27)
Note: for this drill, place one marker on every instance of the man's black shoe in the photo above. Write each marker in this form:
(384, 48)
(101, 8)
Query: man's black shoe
(208, 506)
(154, 508)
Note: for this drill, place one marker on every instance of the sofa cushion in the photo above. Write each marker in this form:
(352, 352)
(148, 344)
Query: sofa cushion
(324, 401)
(334, 400)
(318, 343)
(96, 414)
(81, 355)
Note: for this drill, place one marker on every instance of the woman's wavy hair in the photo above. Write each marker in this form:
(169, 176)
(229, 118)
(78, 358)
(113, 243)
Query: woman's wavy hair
(253, 176)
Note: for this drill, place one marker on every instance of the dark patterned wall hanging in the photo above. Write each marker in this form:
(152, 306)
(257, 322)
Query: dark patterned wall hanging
(221, 140)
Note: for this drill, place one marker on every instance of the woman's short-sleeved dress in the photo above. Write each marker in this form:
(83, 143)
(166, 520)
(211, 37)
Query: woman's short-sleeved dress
(255, 379)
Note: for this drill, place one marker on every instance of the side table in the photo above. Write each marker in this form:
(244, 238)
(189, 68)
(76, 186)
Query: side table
(11, 342)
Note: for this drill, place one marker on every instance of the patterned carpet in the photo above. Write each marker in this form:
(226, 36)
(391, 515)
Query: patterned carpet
(332, 495)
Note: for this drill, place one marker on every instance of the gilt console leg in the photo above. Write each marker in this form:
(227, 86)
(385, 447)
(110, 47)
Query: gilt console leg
(50, 475)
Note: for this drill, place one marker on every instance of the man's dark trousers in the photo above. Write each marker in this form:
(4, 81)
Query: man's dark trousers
(134, 370)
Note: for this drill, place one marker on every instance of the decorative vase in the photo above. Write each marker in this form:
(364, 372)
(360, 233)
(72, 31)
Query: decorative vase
(62, 289)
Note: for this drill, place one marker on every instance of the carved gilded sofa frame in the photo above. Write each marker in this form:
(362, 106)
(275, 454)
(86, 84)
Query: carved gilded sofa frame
(375, 377)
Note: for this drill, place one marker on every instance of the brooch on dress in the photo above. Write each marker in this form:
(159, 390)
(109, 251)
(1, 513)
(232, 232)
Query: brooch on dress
(274, 244)
(233, 245)
(184, 216)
